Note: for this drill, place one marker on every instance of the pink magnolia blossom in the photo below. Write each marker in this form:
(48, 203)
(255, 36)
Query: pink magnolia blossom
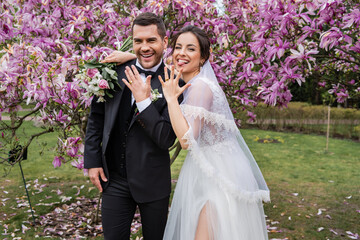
(333, 37)
(258, 49)
(352, 82)
(277, 50)
(57, 161)
(352, 18)
(342, 95)
(322, 84)
(78, 163)
(252, 116)
(302, 54)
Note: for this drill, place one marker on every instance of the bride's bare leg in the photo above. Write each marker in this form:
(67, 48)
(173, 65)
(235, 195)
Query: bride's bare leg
(202, 230)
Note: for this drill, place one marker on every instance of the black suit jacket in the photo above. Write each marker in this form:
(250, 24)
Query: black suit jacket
(149, 136)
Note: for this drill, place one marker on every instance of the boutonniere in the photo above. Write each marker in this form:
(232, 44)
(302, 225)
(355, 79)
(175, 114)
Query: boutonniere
(155, 95)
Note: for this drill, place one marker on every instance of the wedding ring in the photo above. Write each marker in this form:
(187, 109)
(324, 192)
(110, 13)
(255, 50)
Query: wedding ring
(130, 82)
(167, 79)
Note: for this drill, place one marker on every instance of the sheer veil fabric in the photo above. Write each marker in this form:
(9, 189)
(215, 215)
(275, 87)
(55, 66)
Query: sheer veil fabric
(219, 172)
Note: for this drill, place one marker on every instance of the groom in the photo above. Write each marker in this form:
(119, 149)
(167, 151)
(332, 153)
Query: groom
(127, 141)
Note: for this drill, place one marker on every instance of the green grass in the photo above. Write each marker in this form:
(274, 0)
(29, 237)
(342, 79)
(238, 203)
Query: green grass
(321, 180)
(38, 167)
(22, 112)
(299, 166)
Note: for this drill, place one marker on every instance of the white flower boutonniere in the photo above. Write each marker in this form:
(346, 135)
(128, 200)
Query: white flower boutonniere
(155, 95)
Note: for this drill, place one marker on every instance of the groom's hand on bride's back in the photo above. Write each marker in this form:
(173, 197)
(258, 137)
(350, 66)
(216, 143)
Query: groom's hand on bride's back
(94, 175)
(119, 57)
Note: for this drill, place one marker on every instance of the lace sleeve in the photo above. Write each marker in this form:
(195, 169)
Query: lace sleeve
(197, 99)
(201, 109)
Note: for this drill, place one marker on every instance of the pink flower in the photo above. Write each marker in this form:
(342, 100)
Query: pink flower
(342, 95)
(78, 163)
(322, 84)
(57, 161)
(252, 116)
(91, 72)
(352, 82)
(72, 151)
(103, 84)
(238, 122)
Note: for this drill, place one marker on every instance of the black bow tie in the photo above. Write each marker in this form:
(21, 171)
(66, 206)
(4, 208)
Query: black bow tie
(147, 73)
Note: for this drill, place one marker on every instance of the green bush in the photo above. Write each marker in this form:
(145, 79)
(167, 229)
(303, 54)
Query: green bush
(305, 118)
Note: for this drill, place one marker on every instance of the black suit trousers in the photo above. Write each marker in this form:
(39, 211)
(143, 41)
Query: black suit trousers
(118, 209)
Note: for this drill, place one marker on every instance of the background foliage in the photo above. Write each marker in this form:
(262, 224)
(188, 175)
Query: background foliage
(305, 118)
(260, 50)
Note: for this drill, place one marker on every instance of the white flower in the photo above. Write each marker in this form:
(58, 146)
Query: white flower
(155, 95)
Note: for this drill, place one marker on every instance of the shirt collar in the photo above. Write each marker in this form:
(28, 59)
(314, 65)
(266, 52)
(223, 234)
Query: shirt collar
(153, 69)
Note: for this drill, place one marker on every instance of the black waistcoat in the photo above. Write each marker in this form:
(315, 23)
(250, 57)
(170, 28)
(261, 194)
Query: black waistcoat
(117, 142)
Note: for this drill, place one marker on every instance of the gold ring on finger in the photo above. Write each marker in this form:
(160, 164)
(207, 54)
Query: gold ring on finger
(130, 82)
(167, 79)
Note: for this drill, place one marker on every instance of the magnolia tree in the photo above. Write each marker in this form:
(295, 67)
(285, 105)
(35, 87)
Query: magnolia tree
(258, 49)
(280, 42)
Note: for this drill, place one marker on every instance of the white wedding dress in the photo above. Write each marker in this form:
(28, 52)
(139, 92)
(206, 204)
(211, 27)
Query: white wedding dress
(219, 171)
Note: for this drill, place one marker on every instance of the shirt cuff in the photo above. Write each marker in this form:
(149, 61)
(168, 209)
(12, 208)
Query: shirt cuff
(143, 104)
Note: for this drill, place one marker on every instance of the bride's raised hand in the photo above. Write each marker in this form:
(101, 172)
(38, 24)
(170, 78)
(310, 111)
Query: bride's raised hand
(119, 57)
(170, 86)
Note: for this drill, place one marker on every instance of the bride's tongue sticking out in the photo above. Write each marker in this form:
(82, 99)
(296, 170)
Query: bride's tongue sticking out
(181, 63)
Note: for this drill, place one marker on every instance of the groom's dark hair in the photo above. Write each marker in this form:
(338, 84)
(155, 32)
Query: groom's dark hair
(148, 18)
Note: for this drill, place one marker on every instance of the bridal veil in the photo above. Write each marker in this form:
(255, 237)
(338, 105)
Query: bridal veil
(219, 171)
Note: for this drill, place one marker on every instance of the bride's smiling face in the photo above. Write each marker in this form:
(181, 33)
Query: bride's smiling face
(187, 55)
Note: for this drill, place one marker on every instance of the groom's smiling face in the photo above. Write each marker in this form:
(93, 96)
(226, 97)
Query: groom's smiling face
(148, 45)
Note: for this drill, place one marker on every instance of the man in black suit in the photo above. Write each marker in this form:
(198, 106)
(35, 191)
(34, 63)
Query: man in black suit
(127, 140)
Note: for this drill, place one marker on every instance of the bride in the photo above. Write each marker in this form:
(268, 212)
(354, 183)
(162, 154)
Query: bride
(220, 188)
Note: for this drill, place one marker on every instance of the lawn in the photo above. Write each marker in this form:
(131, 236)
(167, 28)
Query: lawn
(314, 195)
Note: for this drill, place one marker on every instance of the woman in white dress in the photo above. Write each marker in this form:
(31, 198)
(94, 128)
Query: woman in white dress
(220, 189)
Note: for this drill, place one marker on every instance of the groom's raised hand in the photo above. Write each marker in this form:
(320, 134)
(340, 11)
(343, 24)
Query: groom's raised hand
(134, 82)
(94, 174)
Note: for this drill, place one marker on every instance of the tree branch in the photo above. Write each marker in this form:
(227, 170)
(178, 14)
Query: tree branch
(347, 52)
(337, 58)
(29, 142)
